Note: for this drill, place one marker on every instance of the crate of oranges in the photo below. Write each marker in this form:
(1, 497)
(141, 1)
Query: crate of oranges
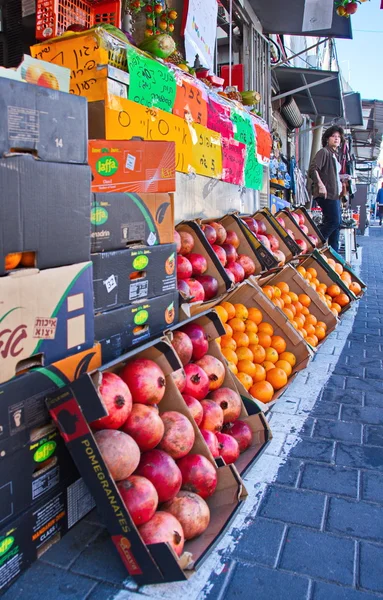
(300, 303)
(347, 275)
(261, 347)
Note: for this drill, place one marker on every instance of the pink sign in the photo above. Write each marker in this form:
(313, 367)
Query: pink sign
(218, 118)
(233, 161)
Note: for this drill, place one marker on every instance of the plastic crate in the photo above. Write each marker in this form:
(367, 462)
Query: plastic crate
(53, 17)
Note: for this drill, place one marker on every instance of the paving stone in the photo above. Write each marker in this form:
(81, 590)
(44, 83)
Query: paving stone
(46, 581)
(293, 506)
(72, 544)
(372, 486)
(362, 414)
(288, 472)
(330, 479)
(263, 584)
(338, 430)
(328, 591)
(373, 435)
(259, 542)
(356, 519)
(374, 399)
(318, 555)
(374, 373)
(328, 410)
(307, 448)
(359, 457)
(108, 592)
(366, 385)
(371, 572)
(335, 395)
(349, 370)
(307, 427)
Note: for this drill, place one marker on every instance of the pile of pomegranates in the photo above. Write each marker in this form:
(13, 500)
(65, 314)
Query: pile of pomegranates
(300, 221)
(194, 282)
(268, 240)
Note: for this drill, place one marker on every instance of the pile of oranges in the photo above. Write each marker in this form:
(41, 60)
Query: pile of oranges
(345, 276)
(331, 295)
(296, 307)
(254, 354)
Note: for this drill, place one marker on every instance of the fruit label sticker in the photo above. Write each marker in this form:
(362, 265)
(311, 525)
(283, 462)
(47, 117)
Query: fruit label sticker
(151, 83)
(139, 290)
(107, 166)
(191, 101)
(23, 124)
(45, 329)
(152, 239)
(111, 283)
(130, 162)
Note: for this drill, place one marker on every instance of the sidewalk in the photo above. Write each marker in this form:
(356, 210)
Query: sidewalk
(312, 528)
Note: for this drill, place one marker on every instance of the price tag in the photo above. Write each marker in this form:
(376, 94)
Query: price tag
(191, 101)
(206, 152)
(244, 131)
(152, 84)
(218, 117)
(253, 170)
(233, 161)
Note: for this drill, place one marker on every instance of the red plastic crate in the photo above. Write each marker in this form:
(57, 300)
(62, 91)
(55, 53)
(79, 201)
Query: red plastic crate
(53, 17)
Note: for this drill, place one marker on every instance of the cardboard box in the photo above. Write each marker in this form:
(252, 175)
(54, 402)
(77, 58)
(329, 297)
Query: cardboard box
(286, 243)
(51, 125)
(311, 225)
(119, 219)
(44, 209)
(22, 399)
(126, 276)
(251, 295)
(328, 252)
(28, 475)
(134, 166)
(105, 81)
(44, 317)
(126, 327)
(297, 231)
(215, 269)
(146, 564)
(39, 72)
(32, 533)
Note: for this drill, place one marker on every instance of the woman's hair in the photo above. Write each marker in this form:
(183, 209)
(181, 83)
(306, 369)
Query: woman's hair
(330, 132)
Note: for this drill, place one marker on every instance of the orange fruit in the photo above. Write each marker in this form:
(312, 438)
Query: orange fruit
(293, 296)
(267, 365)
(244, 353)
(320, 332)
(310, 329)
(299, 321)
(272, 355)
(293, 309)
(308, 277)
(230, 355)
(222, 313)
(311, 320)
(232, 367)
(339, 268)
(255, 315)
(264, 339)
(268, 290)
(228, 342)
(286, 299)
(245, 379)
(248, 367)
(355, 288)
(266, 328)
(218, 340)
(305, 311)
(322, 288)
(289, 313)
(228, 306)
(316, 281)
(277, 377)
(347, 284)
(12, 261)
(283, 286)
(229, 330)
(277, 292)
(322, 324)
(334, 311)
(262, 391)
(304, 299)
(298, 306)
(251, 326)
(342, 300)
(301, 270)
(333, 290)
(253, 338)
(313, 272)
(303, 332)
(285, 366)
(237, 325)
(28, 259)
(289, 357)
(312, 340)
(278, 343)
(241, 312)
(259, 354)
(278, 302)
(241, 339)
(346, 276)
(260, 373)
(331, 262)
(293, 324)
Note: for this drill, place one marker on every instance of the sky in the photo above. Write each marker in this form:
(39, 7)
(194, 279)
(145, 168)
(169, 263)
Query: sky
(360, 59)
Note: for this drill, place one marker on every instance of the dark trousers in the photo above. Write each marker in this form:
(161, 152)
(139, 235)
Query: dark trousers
(380, 213)
(332, 217)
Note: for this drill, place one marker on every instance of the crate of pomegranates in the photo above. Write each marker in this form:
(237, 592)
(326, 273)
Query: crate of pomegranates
(136, 443)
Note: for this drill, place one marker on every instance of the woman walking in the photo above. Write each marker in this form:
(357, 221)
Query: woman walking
(324, 172)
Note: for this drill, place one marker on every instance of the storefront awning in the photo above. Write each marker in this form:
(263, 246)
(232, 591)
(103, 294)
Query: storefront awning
(353, 109)
(316, 92)
(279, 16)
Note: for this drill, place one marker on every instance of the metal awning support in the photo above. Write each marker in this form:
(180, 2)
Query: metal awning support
(283, 62)
(304, 87)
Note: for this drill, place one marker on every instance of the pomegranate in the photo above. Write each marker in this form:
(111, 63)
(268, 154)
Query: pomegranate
(296, 218)
(210, 233)
(198, 263)
(179, 434)
(117, 400)
(191, 511)
(313, 239)
(220, 231)
(211, 442)
(214, 369)
(241, 431)
(229, 401)
(232, 238)
(140, 498)
(197, 382)
(163, 528)
(220, 252)
(280, 256)
(119, 451)
(264, 240)
(212, 416)
(184, 268)
(281, 221)
(274, 242)
(228, 448)
(209, 284)
(199, 475)
(252, 224)
(162, 471)
(291, 233)
(247, 264)
(305, 229)
(262, 229)
(145, 380)
(187, 243)
(196, 290)
(183, 287)
(302, 244)
(238, 271)
(301, 219)
(195, 408)
(231, 253)
(179, 378)
(230, 275)
(144, 425)
(177, 240)
(182, 344)
(198, 338)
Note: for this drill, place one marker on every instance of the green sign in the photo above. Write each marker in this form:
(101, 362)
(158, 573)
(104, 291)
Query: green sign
(151, 83)
(140, 262)
(44, 452)
(141, 317)
(6, 544)
(107, 166)
(253, 170)
(98, 215)
(243, 127)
